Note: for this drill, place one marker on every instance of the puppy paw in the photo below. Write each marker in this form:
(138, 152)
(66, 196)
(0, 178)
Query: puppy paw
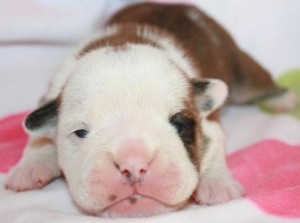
(217, 189)
(31, 175)
(285, 102)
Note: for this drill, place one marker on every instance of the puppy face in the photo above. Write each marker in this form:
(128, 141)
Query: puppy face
(124, 132)
(127, 132)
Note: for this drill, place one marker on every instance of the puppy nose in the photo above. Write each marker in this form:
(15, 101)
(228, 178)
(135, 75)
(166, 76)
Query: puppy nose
(133, 161)
(134, 169)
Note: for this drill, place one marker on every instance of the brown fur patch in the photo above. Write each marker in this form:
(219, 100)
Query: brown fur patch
(196, 40)
(127, 34)
(193, 144)
(40, 142)
(112, 197)
(211, 49)
(132, 200)
(214, 116)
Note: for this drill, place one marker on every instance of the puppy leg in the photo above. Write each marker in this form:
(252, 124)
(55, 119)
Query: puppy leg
(253, 83)
(37, 167)
(285, 101)
(216, 183)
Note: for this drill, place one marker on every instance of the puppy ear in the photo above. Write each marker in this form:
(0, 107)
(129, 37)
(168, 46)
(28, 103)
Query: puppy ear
(210, 95)
(43, 120)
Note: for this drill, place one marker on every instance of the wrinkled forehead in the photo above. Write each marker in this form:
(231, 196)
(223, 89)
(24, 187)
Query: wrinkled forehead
(132, 76)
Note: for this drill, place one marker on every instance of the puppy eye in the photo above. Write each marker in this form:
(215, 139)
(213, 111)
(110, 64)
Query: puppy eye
(180, 126)
(81, 133)
(185, 126)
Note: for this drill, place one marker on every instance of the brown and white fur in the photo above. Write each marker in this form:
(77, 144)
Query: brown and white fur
(132, 118)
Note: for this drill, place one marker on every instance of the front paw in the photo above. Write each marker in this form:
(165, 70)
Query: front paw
(215, 189)
(31, 175)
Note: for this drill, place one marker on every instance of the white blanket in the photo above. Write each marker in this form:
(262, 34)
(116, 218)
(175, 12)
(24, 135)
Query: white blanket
(268, 29)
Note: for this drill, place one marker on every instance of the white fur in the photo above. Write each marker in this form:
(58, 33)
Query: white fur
(174, 52)
(127, 94)
(37, 167)
(134, 99)
(214, 132)
(217, 91)
(216, 182)
(59, 79)
(194, 15)
(131, 100)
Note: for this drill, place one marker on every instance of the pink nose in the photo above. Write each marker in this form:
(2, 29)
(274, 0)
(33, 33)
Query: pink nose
(134, 169)
(133, 161)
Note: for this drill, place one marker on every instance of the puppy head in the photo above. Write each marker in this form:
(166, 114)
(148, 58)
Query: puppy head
(127, 132)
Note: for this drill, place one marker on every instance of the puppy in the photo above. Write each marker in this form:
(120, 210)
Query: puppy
(132, 118)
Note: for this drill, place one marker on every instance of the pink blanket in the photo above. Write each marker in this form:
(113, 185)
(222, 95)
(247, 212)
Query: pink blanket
(269, 170)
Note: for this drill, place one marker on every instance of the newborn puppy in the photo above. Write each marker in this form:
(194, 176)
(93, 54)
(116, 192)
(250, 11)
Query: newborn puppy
(132, 118)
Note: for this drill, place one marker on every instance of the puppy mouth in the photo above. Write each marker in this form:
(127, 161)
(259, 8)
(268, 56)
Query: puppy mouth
(133, 199)
(136, 205)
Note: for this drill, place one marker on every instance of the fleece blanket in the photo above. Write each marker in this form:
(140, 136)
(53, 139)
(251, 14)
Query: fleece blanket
(263, 149)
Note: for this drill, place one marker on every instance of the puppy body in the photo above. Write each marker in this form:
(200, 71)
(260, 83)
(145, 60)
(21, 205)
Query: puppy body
(132, 116)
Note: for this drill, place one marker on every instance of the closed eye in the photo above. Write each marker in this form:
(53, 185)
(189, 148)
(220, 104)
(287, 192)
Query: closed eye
(180, 126)
(81, 133)
(185, 127)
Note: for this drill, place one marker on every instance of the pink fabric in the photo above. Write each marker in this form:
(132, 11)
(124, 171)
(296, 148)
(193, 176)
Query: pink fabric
(269, 170)
(12, 141)
(270, 173)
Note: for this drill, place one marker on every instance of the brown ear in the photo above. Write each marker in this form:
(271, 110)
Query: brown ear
(43, 119)
(210, 95)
